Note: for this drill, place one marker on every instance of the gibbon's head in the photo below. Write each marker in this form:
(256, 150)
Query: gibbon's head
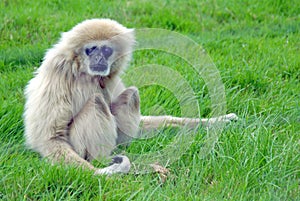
(99, 46)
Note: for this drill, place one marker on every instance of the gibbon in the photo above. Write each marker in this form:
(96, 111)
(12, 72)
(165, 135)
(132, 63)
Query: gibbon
(78, 109)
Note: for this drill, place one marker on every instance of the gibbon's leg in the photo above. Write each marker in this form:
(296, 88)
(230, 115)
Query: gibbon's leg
(126, 109)
(153, 122)
(92, 133)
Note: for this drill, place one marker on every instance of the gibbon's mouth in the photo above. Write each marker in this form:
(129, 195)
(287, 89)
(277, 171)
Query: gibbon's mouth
(102, 70)
(99, 68)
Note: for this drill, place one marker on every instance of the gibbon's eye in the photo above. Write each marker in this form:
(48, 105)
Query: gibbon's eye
(106, 51)
(88, 51)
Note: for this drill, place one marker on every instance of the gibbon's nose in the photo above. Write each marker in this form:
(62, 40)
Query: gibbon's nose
(98, 60)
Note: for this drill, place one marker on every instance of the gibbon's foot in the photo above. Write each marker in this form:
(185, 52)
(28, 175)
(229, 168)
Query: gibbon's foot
(224, 118)
(231, 117)
(228, 118)
(119, 164)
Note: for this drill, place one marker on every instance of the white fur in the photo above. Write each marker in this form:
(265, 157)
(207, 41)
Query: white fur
(69, 116)
(64, 89)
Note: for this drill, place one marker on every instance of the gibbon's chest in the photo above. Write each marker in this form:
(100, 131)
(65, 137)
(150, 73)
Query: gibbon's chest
(85, 89)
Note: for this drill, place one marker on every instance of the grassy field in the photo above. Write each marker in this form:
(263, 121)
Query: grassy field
(255, 46)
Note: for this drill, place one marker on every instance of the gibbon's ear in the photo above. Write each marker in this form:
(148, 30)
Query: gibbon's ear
(131, 35)
(131, 38)
(58, 63)
(125, 40)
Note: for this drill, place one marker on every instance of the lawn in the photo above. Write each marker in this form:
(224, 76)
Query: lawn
(255, 49)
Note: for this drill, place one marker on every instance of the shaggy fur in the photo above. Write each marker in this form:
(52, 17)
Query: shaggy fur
(67, 112)
(74, 114)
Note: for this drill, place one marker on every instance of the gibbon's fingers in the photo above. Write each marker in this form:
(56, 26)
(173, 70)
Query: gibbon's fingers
(59, 150)
(120, 164)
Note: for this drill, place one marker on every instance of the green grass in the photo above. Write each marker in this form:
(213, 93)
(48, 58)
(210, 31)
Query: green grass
(256, 47)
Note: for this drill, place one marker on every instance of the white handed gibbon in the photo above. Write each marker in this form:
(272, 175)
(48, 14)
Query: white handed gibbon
(77, 107)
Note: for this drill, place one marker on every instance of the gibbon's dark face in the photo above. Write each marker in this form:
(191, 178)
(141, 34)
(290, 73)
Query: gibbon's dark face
(99, 59)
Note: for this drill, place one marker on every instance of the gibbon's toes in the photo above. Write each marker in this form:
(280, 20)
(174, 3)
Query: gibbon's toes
(231, 117)
(120, 164)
